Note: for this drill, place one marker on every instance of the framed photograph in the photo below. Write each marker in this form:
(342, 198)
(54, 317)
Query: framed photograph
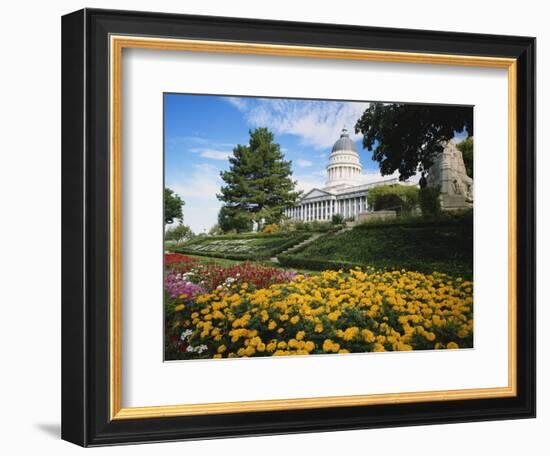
(280, 227)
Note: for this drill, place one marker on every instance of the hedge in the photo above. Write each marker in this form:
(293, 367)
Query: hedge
(451, 219)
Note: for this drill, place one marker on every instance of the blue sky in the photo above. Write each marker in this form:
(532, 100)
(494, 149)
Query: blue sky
(201, 131)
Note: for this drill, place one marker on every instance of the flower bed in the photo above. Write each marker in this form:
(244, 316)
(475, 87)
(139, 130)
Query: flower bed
(333, 312)
(177, 259)
(245, 247)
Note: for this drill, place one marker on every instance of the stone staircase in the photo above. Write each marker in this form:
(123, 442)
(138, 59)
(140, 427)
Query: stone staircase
(343, 230)
(305, 242)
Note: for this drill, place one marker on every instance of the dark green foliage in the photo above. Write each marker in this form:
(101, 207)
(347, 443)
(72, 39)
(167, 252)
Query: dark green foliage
(172, 207)
(337, 219)
(314, 226)
(407, 137)
(257, 186)
(233, 219)
(443, 244)
(467, 149)
(400, 198)
(429, 201)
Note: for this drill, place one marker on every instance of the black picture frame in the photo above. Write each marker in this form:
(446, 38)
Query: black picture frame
(85, 225)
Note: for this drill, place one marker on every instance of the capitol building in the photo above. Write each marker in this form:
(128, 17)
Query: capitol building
(344, 193)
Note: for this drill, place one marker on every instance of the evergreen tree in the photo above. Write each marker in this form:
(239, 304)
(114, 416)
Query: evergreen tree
(258, 185)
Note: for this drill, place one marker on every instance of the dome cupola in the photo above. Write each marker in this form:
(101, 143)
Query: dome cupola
(344, 166)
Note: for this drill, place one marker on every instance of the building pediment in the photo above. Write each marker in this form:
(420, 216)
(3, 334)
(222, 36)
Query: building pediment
(315, 193)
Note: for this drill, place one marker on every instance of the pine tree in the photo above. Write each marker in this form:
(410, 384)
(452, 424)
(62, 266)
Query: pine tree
(258, 184)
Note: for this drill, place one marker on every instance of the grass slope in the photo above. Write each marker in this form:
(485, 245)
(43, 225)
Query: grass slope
(444, 245)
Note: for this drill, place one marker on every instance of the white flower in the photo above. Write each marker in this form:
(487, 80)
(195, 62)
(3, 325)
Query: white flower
(185, 334)
(201, 348)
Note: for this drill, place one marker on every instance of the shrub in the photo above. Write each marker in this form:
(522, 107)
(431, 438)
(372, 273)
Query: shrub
(429, 201)
(314, 226)
(337, 219)
(271, 228)
(400, 198)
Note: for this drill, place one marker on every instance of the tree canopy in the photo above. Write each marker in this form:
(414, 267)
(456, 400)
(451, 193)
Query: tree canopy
(407, 137)
(179, 233)
(467, 149)
(172, 207)
(258, 185)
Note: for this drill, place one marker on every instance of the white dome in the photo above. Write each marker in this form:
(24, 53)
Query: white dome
(344, 165)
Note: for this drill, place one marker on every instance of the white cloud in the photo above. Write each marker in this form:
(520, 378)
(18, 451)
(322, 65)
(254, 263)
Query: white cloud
(303, 163)
(215, 154)
(374, 176)
(198, 189)
(309, 182)
(316, 123)
(239, 103)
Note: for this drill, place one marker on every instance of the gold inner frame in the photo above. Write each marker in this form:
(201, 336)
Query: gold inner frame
(117, 44)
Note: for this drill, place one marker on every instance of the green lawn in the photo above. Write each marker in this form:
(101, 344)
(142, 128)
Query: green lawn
(445, 246)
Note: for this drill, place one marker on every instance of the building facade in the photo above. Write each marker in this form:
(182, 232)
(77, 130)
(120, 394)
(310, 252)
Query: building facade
(344, 193)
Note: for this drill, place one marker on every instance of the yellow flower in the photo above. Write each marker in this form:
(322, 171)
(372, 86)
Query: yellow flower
(368, 335)
(330, 346)
(309, 346)
(300, 335)
(272, 325)
(452, 345)
(179, 307)
(221, 348)
(295, 319)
